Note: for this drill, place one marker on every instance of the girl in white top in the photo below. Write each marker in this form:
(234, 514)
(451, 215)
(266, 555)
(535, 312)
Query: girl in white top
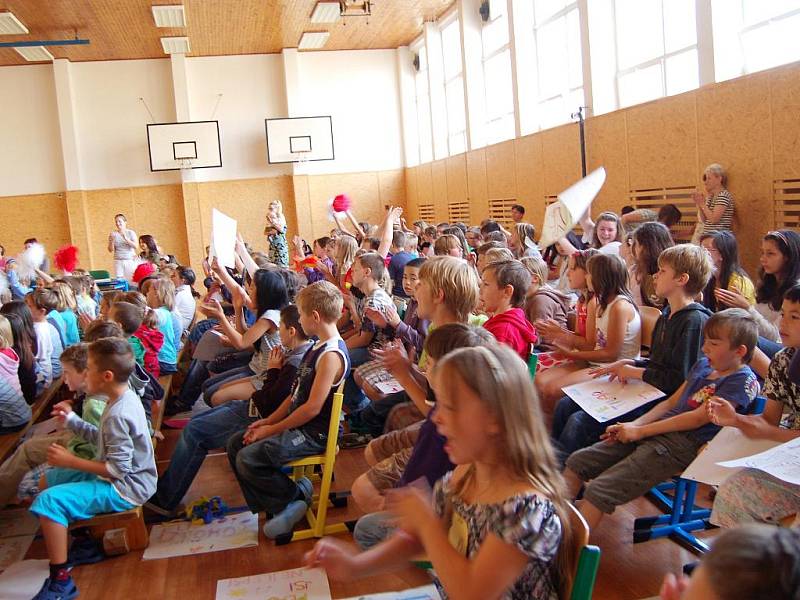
(185, 304)
(124, 243)
(613, 329)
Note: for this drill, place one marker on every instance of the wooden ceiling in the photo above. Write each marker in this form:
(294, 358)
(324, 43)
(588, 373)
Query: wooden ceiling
(124, 29)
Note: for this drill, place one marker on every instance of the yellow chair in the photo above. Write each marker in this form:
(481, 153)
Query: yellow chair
(305, 467)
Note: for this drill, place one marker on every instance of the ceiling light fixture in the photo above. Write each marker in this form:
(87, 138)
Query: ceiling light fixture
(313, 40)
(175, 45)
(11, 25)
(169, 15)
(35, 54)
(326, 12)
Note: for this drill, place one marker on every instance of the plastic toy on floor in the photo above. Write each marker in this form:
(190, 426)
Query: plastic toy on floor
(205, 510)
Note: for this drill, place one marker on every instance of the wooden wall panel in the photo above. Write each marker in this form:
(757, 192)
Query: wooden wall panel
(662, 142)
(785, 108)
(439, 181)
(732, 132)
(561, 154)
(160, 211)
(363, 189)
(43, 216)
(457, 178)
(530, 177)
(500, 170)
(392, 188)
(425, 184)
(606, 147)
(477, 186)
(412, 199)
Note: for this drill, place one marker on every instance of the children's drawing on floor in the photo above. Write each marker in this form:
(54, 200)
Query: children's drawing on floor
(294, 584)
(182, 538)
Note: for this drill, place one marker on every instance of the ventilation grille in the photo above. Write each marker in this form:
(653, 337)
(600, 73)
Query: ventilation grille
(680, 196)
(458, 212)
(786, 196)
(426, 213)
(500, 210)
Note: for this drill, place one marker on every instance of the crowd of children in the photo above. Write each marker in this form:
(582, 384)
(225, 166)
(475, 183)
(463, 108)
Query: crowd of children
(452, 345)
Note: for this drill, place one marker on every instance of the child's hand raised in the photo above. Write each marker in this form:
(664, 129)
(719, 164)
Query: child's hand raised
(276, 358)
(393, 357)
(721, 412)
(58, 456)
(335, 556)
(212, 309)
(412, 510)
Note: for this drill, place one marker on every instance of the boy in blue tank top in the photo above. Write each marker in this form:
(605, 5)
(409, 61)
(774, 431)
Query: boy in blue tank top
(299, 426)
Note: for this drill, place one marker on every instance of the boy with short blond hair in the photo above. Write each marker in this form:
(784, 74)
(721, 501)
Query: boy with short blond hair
(633, 457)
(299, 426)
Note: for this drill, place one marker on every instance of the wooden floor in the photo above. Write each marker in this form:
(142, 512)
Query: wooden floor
(626, 571)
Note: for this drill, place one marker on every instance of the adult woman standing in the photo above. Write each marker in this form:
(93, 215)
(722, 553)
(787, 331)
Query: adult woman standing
(124, 244)
(715, 208)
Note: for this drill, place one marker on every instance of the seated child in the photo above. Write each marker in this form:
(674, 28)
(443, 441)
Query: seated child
(635, 456)
(185, 304)
(544, 302)
(145, 339)
(66, 308)
(299, 426)
(504, 504)
(161, 298)
(48, 339)
(122, 477)
(503, 288)
(677, 338)
(754, 562)
(21, 323)
(751, 495)
(213, 428)
(14, 411)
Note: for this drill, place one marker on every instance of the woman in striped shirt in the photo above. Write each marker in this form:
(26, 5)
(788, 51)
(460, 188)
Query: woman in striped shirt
(715, 208)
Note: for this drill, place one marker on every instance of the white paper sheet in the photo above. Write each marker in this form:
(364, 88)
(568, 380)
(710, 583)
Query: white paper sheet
(389, 387)
(294, 584)
(22, 580)
(782, 461)
(729, 444)
(427, 592)
(605, 400)
(572, 203)
(182, 538)
(223, 238)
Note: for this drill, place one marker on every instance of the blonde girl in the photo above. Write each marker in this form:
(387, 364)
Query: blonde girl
(346, 248)
(613, 329)
(161, 298)
(448, 245)
(276, 234)
(14, 411)
(499, 524)
(522, 242)
(67, 307)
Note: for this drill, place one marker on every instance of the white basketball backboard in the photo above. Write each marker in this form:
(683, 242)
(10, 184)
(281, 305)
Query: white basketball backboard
(299, 139)
(174, 146)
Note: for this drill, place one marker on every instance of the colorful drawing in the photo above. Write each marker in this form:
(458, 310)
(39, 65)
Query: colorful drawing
(181, 537)
(294, 584)
(605, 400)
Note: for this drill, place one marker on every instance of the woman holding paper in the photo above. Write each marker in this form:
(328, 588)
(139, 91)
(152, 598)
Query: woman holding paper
(124, 244)
(754, 495)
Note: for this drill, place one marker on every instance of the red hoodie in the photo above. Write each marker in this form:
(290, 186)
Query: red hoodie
(513, 329)
(152, 340)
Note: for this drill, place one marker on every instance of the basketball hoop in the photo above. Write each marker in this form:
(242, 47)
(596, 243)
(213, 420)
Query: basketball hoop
(186, 165)
(302, 156)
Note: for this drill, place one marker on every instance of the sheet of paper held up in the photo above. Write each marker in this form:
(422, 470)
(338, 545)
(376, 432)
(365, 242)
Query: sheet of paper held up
(605, 400)
(782, 462)
(294, 584)
(572, 203)
(223, 238)
(729, 444)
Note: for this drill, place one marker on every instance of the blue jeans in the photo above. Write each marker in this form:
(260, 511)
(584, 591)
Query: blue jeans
(769, 347)
(372, 418)
(354, 398)
(372, 529)
(212, 384)
(258, 468)
(206, 431)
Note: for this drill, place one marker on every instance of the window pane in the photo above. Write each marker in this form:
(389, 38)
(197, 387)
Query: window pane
(553, 112)
(494, 35)
(451, 50)
(640, 86)
(574, 50)
(458, 143)
(544, 9)
(639, 32)
(758, 11)
(771, 45)
(682, 72)
(680, 30)
(726, 21)
(500, 129)
(497, 78)
(454, 93)
(551, 50)
(424, 119)
(423, 58)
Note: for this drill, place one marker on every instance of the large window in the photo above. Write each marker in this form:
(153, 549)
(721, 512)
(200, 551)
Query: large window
(557, 47)
(423, 108)
(752, 35)
(497, 74)
(454, 88)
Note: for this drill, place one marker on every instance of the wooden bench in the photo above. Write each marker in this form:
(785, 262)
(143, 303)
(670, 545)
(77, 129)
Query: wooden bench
(132, 521)
(9, 441)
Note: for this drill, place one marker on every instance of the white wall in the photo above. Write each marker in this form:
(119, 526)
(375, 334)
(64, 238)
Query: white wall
(359, 89)
(112, 121)
(252, 89)
(30, 141)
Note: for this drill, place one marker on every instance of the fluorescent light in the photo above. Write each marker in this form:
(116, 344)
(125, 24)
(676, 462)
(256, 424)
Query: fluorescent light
(313, 40)
(326, 12)
(11, 25)
(169, 16)
(34, 53)
(175, 45)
